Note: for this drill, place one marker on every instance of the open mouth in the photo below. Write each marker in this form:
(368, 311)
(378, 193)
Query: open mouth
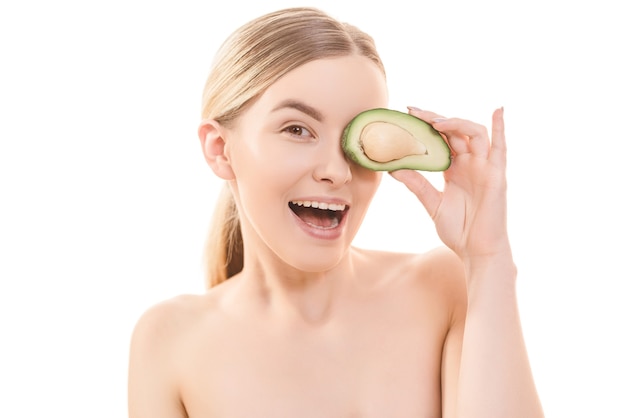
(319, 214)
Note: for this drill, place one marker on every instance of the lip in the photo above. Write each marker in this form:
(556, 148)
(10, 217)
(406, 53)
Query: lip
(318, 233)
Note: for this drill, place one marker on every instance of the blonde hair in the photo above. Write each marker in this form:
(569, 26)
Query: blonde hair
(248, 62)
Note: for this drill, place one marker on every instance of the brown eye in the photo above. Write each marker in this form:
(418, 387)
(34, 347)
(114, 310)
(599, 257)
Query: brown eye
(298, 131)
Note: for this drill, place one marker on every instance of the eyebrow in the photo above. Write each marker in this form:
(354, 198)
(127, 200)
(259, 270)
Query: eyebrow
(300, 106)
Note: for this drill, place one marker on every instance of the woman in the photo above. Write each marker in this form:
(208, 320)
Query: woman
(299, 323)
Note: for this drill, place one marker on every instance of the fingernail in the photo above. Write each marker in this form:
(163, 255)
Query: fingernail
(437, 120)
(414, 108)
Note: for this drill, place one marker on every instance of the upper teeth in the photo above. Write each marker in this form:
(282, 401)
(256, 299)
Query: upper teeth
(319, 205)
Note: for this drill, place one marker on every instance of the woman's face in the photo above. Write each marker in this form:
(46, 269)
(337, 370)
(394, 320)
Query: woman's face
(299, 197)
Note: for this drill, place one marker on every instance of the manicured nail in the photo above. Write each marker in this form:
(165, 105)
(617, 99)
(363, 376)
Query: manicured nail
(437, 120)
(414, 108)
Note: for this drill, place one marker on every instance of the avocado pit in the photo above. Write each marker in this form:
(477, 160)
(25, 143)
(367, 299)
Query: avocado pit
(383, 142)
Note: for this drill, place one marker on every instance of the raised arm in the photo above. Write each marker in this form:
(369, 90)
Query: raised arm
(494, 374)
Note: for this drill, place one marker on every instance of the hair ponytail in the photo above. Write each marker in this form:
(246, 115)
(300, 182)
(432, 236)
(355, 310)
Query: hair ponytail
(223, 255)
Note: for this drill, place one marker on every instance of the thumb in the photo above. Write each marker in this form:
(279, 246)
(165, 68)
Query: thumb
(417, 183)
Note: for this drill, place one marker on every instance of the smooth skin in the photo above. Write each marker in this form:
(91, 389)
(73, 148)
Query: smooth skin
(314, 327)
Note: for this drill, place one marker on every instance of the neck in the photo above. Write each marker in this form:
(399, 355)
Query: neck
(291, 294)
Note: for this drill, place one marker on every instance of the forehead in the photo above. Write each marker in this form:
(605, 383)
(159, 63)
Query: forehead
(338, 87)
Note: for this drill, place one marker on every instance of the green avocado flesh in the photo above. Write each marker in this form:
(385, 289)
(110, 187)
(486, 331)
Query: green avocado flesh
(388, 140)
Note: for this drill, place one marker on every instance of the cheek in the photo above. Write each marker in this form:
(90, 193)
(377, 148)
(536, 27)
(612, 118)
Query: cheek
(263, 177)
(368, 187)
(368, 180)
(275, 162)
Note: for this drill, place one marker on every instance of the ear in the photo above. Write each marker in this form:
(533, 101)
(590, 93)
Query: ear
(214, 147)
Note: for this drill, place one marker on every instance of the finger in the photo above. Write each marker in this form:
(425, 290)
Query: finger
(498, 140)
(425, 115)
(475, 135)
(458, 144)
(417, 183)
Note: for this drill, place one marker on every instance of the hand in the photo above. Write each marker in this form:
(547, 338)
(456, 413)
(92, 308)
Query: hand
(470, 212)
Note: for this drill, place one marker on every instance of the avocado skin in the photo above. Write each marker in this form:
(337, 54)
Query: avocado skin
(437, 159)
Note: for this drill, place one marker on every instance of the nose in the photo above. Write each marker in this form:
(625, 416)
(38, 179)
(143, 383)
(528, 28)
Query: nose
(333, 166)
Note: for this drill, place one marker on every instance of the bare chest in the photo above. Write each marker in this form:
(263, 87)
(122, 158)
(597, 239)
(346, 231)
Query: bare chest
(372, 370)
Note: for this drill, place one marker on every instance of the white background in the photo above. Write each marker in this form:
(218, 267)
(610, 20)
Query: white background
(105, 198)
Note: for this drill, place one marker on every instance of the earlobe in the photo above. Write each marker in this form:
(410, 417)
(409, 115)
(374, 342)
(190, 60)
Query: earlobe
(212, 137)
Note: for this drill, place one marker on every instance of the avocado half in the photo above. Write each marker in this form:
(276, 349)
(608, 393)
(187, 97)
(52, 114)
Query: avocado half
(389, 140)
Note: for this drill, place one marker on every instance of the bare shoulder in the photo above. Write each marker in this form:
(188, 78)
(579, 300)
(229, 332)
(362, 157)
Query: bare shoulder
(168, 318)
(157, 345)
(446, 274)
(168, 324)
(444, 269)
(439, 273)
(437, 267)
